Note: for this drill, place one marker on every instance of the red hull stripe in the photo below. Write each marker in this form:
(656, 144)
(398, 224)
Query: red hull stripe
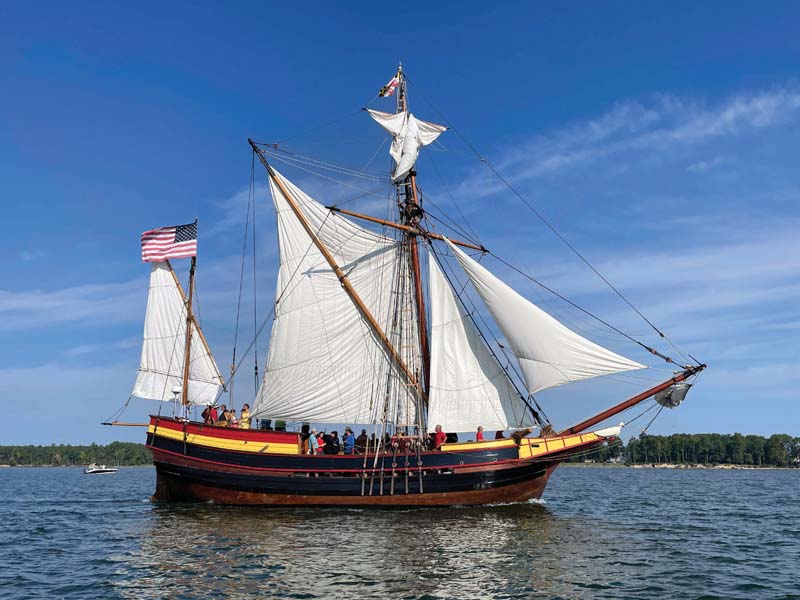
(367, 470)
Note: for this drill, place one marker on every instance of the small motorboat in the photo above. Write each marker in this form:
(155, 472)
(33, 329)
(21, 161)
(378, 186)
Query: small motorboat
(94, 469)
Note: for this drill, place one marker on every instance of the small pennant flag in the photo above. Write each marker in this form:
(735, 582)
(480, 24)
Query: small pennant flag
(390, 87)
(178, 241)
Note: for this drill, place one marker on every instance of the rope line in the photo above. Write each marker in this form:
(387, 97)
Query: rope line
(555, 231)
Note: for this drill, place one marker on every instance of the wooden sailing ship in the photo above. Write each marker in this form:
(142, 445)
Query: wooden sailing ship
(360, 338)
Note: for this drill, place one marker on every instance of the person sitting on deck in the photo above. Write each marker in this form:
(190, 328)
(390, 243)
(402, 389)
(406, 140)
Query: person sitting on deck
(244, 421)
(313, 444)
(479, 435)
(349, 441)
(439, 437)
(361, 442)
(223, 417)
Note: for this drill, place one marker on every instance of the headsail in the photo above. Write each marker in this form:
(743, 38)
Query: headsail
(549, 353)
(468, 387)
(410, 134)
(161, 365)
(325, 363)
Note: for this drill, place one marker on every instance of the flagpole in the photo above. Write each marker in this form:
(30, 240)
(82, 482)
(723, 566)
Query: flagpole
(187, 354)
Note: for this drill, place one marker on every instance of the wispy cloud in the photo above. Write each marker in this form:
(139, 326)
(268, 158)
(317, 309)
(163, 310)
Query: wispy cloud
(706, 165)
(666, 123)
(29, 255)
(102, 304)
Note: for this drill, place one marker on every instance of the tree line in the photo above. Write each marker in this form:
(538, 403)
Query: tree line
(115, 453)
(778, 450)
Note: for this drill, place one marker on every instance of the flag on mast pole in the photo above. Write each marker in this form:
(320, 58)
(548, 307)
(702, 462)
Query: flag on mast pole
(390, 87)
(178, 241)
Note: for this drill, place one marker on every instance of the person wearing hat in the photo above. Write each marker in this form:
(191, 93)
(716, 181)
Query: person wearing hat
(349, 441)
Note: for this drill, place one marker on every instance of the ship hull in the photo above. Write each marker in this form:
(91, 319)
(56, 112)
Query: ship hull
(197, 463)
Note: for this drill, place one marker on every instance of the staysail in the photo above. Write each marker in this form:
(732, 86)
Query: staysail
(325, 363)
(468, 387)
(549, 353)
(410, 134)
(162, 360)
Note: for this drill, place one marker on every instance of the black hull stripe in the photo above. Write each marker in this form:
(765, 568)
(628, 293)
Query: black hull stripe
(351, 486)
(439, 460)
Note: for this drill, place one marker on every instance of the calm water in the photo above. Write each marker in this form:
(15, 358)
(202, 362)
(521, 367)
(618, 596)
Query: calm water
(600, 533)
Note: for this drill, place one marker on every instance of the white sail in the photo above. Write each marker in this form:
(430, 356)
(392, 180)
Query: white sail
(162, 361)
(468, 387)
(549, 353)
(410, 134)
(325, 363)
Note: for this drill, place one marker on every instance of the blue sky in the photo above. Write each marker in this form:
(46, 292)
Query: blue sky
(660, 138)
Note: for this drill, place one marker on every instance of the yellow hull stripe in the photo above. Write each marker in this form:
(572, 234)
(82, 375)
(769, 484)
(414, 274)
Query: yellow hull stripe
(528, 447)
(226, 444)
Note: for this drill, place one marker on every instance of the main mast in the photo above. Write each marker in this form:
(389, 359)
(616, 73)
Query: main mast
(410, 215)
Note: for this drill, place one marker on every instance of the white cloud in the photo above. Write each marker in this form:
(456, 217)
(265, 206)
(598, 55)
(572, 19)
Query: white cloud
(665, 124)
(706, 165)
(29, 255)
(103, 304)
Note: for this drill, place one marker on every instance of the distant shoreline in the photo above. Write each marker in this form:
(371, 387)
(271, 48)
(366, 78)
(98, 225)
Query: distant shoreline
(680, 466)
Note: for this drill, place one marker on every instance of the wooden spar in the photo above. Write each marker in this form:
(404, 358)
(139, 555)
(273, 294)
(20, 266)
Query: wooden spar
(412, 230)
(348, 287)
(194, 320)
(187, 349)
(422, 324)
(121, 424)
(412, 218)
(606, 414)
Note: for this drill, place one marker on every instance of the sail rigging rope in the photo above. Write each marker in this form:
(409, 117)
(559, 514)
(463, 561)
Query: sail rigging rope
(583, 310)
(470, 315)
(274, 151)
(555, 231)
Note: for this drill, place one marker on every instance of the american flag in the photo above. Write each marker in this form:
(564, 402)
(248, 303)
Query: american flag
(178, 241)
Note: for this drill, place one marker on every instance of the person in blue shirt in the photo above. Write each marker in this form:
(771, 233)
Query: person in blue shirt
(349, 441)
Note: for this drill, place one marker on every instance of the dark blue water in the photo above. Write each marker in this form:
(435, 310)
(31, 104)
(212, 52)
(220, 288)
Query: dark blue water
(600, 533)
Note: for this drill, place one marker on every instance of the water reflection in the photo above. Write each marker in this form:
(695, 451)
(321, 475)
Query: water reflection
(505, 551)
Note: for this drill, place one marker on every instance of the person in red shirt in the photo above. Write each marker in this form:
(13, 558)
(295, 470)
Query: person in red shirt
(439, 438)
(479, 435)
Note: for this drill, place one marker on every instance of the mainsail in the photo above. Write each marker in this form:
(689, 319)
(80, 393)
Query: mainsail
(410, 134)
(549, 353)
(468, 386)
(162, 361)
(325, 363)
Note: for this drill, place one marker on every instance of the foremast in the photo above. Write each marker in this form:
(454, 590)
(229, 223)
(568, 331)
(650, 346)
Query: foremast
(187, 350)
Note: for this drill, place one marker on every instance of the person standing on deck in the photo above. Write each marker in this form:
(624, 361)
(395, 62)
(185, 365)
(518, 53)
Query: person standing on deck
(479, 435)
(313, 443)
(439, 438)
(244, 419)
(361, 442)
(349, 441)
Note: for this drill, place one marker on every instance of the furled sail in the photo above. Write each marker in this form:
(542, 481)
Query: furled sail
(468, 387)
(325, 363)
(549, 353)
(161, 365)
(410, 134)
